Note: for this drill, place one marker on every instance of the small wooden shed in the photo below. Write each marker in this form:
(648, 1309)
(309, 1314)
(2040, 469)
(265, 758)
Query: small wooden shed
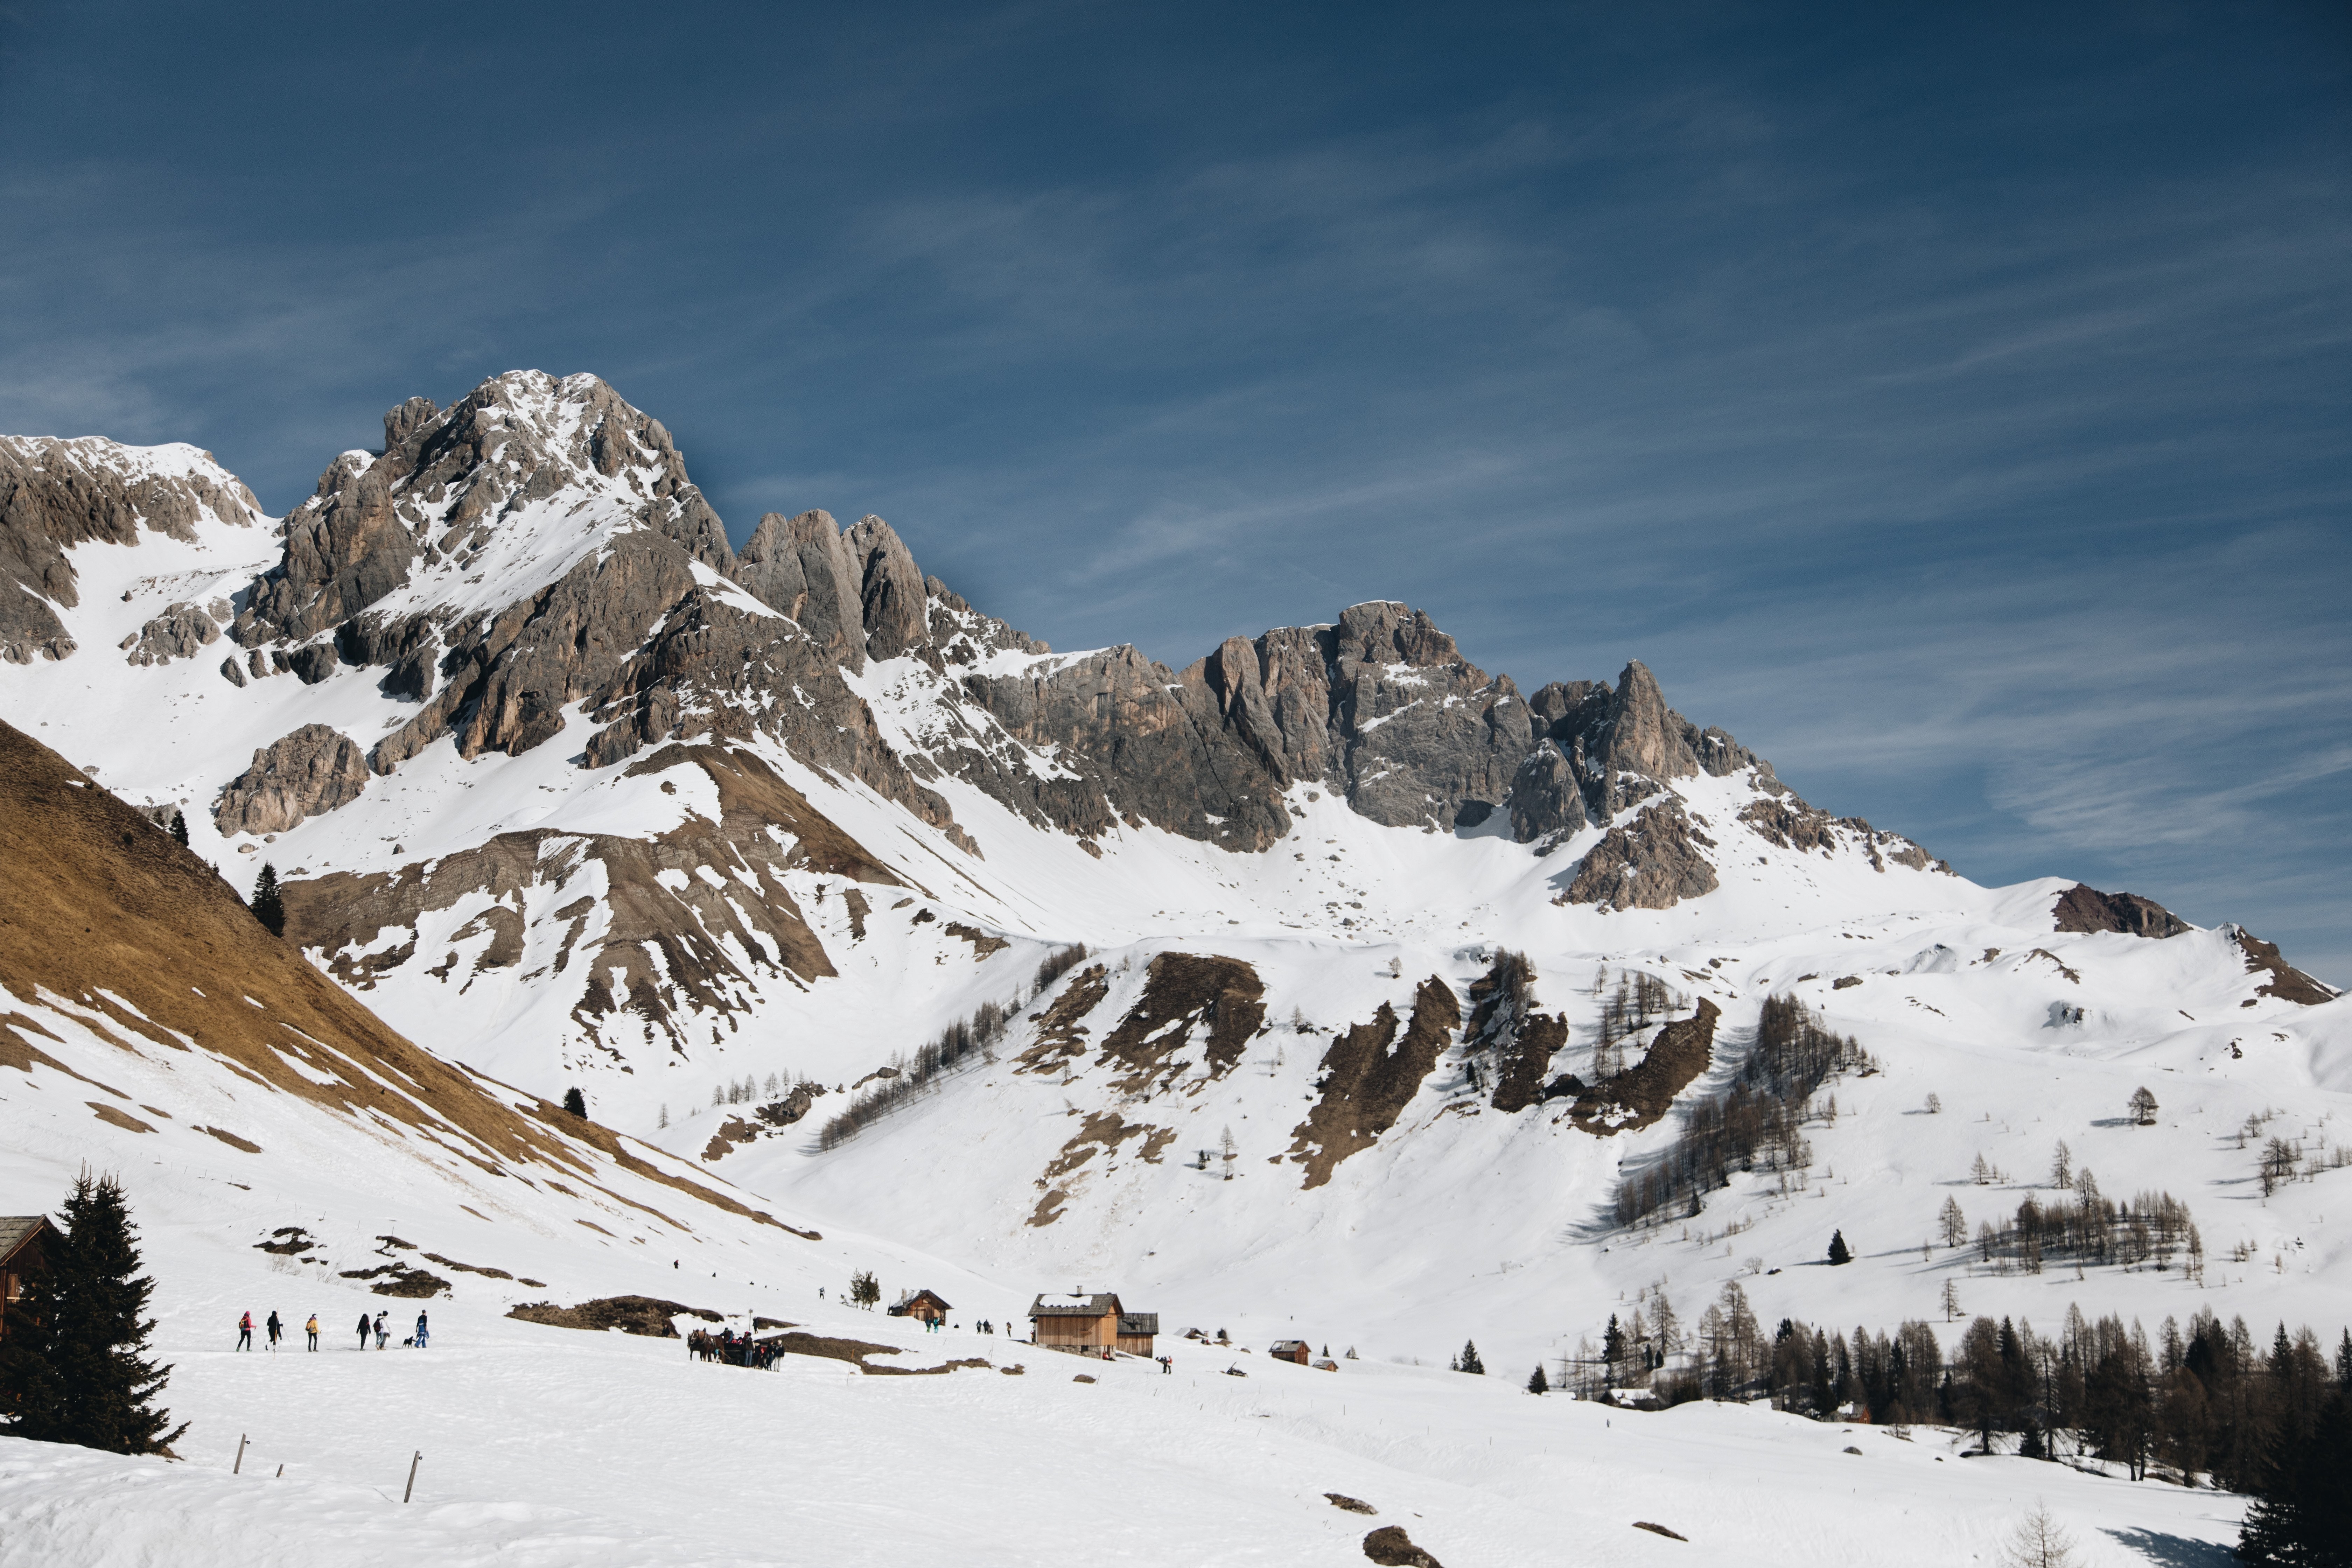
(1136, 1331)
(928, 1305)
(20, 1257)
(1293, 1351)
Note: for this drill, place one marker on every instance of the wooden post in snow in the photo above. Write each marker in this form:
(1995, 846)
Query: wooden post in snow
(233, 1468)
(414, 1459)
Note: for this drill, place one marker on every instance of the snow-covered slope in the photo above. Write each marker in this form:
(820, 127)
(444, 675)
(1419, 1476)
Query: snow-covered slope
(567, 791)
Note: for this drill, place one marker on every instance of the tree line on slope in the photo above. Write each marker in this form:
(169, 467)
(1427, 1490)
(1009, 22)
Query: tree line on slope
(903, 1079)
(1755, 1123)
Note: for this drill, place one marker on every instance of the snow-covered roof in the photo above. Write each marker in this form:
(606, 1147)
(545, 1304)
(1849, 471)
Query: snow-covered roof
(1073, 1306)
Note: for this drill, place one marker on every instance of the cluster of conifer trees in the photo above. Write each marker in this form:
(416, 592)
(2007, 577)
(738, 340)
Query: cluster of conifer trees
(73, 1367)
(1755, 1123)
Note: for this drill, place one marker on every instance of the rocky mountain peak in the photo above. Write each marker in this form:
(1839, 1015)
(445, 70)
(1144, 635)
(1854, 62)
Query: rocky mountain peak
(57, 493)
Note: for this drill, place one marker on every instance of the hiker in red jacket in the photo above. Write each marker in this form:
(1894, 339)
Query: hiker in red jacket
(245, 1332)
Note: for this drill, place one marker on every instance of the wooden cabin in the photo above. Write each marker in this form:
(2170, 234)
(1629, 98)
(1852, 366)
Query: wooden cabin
(1075, 1322)
(926, 1305)
(20, 1257)
(1292, 1351)
(1091, 1325)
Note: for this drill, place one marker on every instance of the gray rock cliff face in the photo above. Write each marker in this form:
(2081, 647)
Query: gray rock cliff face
(537, 552)
(312, 771)
(890, 591)
(56, 494)
(802, 567)
(1545, 798)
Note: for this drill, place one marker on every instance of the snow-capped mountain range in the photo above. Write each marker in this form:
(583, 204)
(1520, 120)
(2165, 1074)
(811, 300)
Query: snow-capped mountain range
(567, 791)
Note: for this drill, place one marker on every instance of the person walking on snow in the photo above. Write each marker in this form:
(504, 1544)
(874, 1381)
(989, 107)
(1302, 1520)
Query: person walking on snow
(245, 1332)
(363, 1330)
(311, 1329)
(382, 1333)
(420, 1331)
(276, 1329)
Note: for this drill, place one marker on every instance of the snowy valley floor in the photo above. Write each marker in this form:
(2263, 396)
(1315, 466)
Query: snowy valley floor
(547, 1445)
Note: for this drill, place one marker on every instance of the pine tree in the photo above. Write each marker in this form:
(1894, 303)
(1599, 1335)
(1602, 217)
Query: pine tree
(1535, 1382)
(180, 830)
(2304, 1516)
(1838, 1251)
(72, 1368)
(266, 905)
(576, 1102)
(1469, 1361)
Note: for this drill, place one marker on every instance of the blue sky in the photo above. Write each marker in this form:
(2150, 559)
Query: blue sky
(1951, 402)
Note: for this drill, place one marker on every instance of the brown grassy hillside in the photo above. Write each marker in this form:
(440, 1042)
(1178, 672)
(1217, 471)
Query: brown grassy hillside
(118, 925)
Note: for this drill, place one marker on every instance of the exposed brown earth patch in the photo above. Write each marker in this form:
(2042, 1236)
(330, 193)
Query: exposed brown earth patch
(646, 1315)
(1182, 990)
(487, 1273)
(1521, 1083)
(1365, 1084)
(1632, 1100)
(1102, 1133)
(732, 1133)
(1353, 1505)
(114, 1118)
(2287, 983)
(398, 1278)
(2055, 962)
(2085, 909)
(1060, 1033)
(982, 944)
(232, 1139)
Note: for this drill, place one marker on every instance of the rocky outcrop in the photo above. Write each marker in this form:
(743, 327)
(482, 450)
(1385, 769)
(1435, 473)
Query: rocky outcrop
(1787, 822)
(2081, 908)
(1181, 991)
(2286, 983)
(1654, 863)
(1506, 1037)
(677, 956)
(313, 770)
(1369, 1076)
(890, 591)
(1545, 798)
(56, 494)
(180, 632)
(802, 567)
(1641, 1094)
(1422, 728)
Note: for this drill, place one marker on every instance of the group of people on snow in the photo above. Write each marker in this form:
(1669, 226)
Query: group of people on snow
(368, 1328)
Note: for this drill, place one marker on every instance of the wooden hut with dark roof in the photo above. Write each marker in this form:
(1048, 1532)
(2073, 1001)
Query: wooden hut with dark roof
(1075, 1321)
(20, 1257)
(926, 1305)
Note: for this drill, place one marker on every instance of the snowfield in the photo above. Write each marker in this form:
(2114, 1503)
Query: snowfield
(547, 1445)
(1045, 1162)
